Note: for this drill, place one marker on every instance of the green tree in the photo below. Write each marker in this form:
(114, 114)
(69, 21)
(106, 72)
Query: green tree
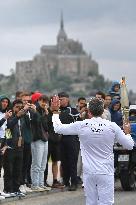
(99, 83)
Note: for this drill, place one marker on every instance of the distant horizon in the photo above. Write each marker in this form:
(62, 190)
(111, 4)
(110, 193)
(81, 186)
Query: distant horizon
(105, 77)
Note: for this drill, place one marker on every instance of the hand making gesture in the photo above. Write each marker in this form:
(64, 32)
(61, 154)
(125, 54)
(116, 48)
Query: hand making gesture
(55, 104)
(8, 114)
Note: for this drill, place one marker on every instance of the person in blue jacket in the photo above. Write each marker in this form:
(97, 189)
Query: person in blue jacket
(115, 90)
(116, 115)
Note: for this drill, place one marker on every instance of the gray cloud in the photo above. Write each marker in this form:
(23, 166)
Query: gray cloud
(106, 27)
(32, 12)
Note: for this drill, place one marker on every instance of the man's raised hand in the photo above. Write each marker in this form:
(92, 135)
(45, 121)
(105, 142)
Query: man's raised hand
(55, 103)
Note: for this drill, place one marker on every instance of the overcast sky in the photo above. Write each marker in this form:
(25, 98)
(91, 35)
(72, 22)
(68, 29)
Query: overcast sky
(107, 29)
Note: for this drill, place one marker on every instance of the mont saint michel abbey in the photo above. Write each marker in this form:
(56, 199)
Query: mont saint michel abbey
(66, 58)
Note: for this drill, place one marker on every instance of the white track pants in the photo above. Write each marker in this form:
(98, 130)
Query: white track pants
(79, 165)
(99, 189)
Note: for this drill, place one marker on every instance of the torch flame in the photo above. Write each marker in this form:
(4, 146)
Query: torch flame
(123, 81)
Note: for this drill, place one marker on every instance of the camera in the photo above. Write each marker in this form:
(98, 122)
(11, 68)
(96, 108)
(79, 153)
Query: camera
(29, 101)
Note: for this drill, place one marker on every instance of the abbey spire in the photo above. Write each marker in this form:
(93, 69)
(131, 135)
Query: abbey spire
(61, 21)
(62, 36)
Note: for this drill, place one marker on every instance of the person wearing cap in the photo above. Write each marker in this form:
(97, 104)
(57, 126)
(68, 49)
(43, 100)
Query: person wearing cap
(35, 96)
(97, 138)
(69, 145)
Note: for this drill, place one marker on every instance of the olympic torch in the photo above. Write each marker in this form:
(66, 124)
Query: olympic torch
(124, 100)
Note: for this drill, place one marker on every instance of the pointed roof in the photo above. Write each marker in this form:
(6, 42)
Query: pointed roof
(61, 21)
(62, 36)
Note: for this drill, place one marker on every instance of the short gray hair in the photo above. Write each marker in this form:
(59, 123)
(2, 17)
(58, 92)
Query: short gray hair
(96, 107)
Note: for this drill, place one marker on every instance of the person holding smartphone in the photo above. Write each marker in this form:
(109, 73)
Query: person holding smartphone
(5, 113)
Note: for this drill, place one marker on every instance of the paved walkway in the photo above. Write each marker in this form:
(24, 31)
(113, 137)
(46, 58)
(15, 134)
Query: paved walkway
(34, 195)
(49, 176)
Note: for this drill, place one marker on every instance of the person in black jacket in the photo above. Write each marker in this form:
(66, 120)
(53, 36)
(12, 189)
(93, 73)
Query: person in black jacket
(27, 135)
(53, 152)
(39, 145)
(4, 115)
(13, 156)
(69, 145)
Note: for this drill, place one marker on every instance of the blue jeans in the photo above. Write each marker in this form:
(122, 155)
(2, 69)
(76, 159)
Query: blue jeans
(39, 159)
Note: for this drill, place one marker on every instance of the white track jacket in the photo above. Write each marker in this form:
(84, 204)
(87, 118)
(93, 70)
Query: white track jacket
(97, 138)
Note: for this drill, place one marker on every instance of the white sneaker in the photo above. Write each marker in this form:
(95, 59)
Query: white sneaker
(2, 197)
(6, 195)
(12, 194)
(41, 188)
(22, 189)
(37, 188)
(45, 188)
(28, 190)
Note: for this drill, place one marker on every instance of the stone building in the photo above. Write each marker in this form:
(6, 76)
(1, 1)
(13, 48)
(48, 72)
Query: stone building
(66, 58)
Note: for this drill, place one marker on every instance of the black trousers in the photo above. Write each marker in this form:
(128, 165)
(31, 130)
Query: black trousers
(26, 167)
(69, 156)
(12, 164)
(2, 143)
(54, 153)
(1, 163)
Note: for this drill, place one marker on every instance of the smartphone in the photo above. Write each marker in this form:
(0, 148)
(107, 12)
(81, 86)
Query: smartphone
(30, 101)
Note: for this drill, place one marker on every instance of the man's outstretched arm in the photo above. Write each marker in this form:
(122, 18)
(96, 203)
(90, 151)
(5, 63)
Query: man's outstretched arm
(65, 129)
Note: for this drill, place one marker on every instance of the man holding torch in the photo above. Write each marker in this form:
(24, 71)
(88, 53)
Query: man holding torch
(97, 138)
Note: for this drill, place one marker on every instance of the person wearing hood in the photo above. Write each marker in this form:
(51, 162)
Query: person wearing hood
(116, 115)
(13, 156)
(115, 90)
(5, 113)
